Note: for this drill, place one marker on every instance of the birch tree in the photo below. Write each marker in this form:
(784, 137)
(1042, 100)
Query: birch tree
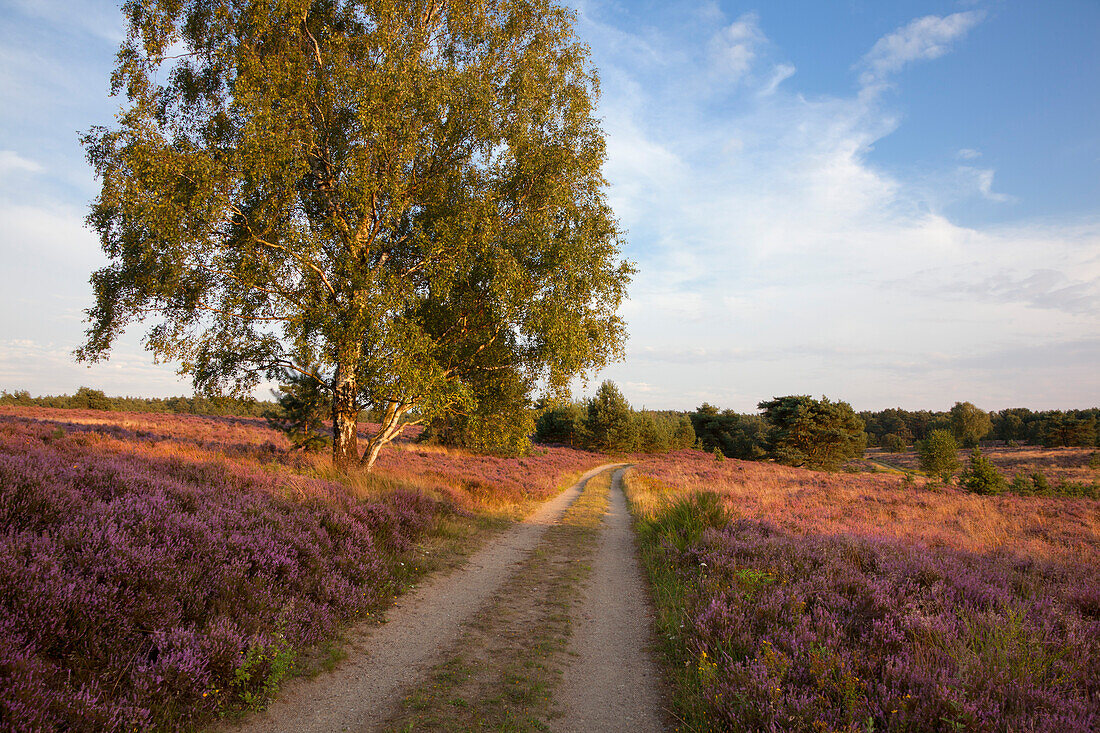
(385, 197)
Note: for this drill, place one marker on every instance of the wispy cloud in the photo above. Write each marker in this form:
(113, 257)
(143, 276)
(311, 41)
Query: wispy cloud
(733, 49)
(775, 257)
(984, 179)
(779, 74)
(920, 40)
(12, 162)
(1044, 288)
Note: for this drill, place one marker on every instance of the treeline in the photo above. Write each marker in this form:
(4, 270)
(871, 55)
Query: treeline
(87, 398)
(896, 428)
(606, 422)
(796, 430)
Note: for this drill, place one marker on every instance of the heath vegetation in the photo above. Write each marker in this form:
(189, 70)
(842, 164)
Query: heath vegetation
(158, 570)
(796, 600)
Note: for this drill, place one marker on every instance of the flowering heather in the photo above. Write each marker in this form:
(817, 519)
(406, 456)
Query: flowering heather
(794, 600)
(463, 479)
(150, 574)
(883, 506)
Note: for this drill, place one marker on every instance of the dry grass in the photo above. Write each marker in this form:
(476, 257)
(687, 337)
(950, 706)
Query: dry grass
(1057, 464)
(499, 488)
(877, 505)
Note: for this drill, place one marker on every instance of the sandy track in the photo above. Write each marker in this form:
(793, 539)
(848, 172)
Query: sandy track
(612, 682)
(384, 661)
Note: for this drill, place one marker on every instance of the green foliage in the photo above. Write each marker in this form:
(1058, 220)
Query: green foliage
(408, 195)
(18, 398)
(1013, 425)
(737, 436)
(817, 434)
(1062, 429)
(609, 424)
(980, 477)
(580, 425)
(301, 411)
(1036, 484)
(969, 424)
(893, 421)
(561, 424)
(197, 405)
(261, 671)
(654, 436)
(662, 538)
(87, 398)
(683, 523)
(893, 443)
(500, 423)
(1094, 459)
(939, 454)
(684, 434)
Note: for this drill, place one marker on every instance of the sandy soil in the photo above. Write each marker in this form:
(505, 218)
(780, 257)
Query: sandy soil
(386, 660)
(612, 683)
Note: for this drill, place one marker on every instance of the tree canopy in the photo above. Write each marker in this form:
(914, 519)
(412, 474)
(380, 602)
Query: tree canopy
(609, 423)
(813, 433)
(969, 424)
(405, 196)
(939, 454)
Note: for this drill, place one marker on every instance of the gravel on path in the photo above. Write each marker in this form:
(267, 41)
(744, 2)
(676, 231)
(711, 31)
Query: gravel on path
(386, 660)
(612, 682)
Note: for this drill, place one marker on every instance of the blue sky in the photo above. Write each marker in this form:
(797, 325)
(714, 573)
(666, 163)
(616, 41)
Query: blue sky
(888, 203)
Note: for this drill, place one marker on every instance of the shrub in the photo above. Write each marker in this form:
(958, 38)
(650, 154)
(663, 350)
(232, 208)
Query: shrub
(980, 477)
(142, 591)
(893, 443)
(939, 454)
(872, 634)
(301, 411)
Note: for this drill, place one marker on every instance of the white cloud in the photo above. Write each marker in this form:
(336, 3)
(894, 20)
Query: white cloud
(47, 367)
(968, 154)
(775, 258)
(12, 162)
(780, 73)
(920, 40)
(985, 184)
(733, 49)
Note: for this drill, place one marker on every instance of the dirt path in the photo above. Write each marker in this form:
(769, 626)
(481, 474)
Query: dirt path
(612, 683)
(385, 661)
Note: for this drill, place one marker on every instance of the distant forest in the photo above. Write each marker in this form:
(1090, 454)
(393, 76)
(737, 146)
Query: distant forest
(740, 435)
(734, 434)
(87, 398)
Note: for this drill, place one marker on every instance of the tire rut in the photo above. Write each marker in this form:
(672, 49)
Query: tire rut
(385, 661)
(613, 683)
